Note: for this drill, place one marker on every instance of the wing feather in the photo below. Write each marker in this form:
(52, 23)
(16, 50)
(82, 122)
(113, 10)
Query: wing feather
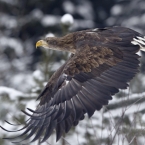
(59, 131)
(89, 108)
(39, 133)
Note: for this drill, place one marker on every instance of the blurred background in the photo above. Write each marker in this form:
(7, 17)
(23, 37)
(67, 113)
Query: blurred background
(24, 70)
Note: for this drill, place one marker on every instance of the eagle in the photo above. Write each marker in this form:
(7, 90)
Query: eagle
(102, 61)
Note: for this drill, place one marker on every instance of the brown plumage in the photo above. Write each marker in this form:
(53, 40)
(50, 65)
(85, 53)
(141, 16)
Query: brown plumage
(102, 62)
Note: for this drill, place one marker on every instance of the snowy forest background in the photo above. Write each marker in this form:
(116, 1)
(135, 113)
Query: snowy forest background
(24, 70)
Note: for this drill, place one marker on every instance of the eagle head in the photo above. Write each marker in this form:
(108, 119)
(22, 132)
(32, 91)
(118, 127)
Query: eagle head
(56, 43)
(49, 43)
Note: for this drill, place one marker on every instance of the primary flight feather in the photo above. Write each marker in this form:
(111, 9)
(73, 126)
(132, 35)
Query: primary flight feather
(102, 61)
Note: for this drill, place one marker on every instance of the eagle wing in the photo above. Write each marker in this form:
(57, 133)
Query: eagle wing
(84, 83)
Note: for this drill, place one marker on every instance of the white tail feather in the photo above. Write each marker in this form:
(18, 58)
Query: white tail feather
(139, 41)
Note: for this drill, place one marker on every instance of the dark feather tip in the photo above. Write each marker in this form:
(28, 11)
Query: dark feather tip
(10, 130)
(11, 123)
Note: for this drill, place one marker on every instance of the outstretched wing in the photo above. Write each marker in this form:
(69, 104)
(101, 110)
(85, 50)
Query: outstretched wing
(84, 83)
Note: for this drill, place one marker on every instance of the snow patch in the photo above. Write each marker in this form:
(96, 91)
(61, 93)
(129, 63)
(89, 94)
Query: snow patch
(23, 81)
(49, 35)
(85, 10)
(37, 14)
(13, 94)
(67, 19)
(12, 2)
(50, 20)
(8, 21)
(15, 44)
(132, 21)
(116, 10)
(37, 74)
(69, 7)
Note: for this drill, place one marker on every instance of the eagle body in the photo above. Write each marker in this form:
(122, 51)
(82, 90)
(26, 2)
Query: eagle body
(102, 61)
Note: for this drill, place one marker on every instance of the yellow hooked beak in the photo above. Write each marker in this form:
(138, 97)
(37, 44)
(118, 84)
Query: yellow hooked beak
(41, 43)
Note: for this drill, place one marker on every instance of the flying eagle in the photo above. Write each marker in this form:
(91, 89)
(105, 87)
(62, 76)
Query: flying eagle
(102, 61)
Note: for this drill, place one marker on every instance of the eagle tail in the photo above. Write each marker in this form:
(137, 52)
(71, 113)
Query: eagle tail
(139, 40)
